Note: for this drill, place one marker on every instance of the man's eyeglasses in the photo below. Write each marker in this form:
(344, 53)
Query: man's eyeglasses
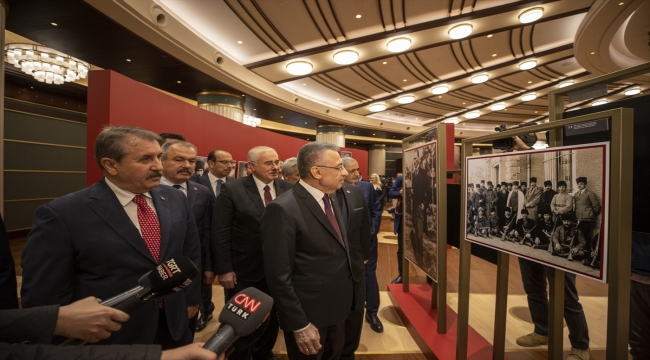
(226, 162)
(337, 168)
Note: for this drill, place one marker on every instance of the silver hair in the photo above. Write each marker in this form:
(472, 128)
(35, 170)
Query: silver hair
(289, 164)
(254, 153)
(165, 147)
(310, 154)
(110, 141)
(348, 160)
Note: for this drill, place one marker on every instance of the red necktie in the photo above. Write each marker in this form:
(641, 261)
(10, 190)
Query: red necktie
(148, 226)
(267, 195)
(331, 217)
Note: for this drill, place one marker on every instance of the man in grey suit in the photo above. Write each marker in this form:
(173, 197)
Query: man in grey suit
(178, 160)
(236, 239)
(220, 164)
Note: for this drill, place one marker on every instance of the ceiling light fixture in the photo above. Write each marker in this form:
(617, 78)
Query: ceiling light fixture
(566, 83)
(377, 107)
(240, 42)
(54, 24)
(529, 97)
(406, 99)
(399, 45)
(299, 68)
(599, 102)
(358, 16)
(45, 64)
(480, 78)
(460, 31)
(128, 60)
(346, 57)
(440, 89)
(472, 114)
(632, 91)
(527, 65)
(453, 120)
(531, 15)
(498, 106)
(490, 35)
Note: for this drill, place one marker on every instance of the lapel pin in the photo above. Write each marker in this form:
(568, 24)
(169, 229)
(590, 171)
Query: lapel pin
(162, 197)
(347, 191)
(195, 188)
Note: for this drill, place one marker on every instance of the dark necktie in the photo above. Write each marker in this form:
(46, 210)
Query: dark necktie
(343, 205)
(176, 186)
(219, 183)
(331, 217)
(148, 226)
(267, 195)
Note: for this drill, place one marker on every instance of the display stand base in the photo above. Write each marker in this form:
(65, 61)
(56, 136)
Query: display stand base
(414, 308)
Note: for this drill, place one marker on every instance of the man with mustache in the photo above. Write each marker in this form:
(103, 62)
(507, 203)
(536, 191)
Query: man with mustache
(178, 161)
(236, 240)
(99, 241)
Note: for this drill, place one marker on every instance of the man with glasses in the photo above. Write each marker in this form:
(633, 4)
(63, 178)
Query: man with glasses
(220, 164)
(236, 239)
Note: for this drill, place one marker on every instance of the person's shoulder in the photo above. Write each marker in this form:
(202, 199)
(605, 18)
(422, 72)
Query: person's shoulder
(365, 185)
(93, 191)
(284, 184)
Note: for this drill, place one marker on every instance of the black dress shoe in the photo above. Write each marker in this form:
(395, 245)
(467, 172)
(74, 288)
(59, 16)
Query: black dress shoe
(397, 280)
(203, 322)
(375, 323)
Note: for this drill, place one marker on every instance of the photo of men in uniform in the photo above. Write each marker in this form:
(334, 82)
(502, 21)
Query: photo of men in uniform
(562, 224)
(420, 208)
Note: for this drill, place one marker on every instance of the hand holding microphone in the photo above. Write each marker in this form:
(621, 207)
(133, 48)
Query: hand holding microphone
(88, 320)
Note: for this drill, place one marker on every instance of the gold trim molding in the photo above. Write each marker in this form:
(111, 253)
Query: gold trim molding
(46, 144)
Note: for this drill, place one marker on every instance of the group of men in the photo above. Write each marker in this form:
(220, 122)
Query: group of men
(308, 240)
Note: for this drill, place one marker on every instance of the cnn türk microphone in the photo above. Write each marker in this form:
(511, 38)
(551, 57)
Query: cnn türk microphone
(241, 315)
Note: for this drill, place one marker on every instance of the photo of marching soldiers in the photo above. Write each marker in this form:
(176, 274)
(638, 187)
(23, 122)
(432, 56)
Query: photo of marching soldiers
(546, 205)
(420, 208)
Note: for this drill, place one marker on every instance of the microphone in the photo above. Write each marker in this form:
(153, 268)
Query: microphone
(241, 315)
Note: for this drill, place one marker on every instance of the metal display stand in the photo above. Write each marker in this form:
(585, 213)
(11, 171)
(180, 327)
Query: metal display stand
(620, 230)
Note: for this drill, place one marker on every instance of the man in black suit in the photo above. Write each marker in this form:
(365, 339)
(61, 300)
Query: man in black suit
(8, 293)
(307, 257)
(290, 170)
(178, 160)
(99, 241)
(236, 240)
(220, 164)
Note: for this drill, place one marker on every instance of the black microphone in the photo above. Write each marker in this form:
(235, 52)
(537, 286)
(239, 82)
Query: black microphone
(241, 315)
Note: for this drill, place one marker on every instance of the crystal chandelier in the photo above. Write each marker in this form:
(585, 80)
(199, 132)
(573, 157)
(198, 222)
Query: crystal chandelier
(45, 64)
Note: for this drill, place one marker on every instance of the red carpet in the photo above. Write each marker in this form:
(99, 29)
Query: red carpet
(421, 323)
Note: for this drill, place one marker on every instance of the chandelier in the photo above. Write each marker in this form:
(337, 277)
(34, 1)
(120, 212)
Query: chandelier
(46, 65)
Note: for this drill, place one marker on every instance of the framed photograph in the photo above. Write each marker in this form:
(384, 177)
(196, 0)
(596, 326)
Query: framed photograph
(345, 154)
(201, 165)
(421, 208)
(233, 171)
(549, 206)
(242, 166)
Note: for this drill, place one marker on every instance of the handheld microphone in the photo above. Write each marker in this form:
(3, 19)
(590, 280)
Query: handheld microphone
(241, 315)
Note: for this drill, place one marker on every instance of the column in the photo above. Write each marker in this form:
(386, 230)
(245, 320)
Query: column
(224, 103)
(377, 160)
(3, 14)
(334, 134)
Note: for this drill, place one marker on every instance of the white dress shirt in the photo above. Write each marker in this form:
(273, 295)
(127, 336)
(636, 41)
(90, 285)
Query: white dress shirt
(183, 185)
(317, 194)
(126, 199)
(213, 182)
(260, 188)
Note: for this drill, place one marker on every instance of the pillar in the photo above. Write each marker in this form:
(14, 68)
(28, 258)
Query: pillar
(224, 103)
(377, 160)
(334, 134)
(3, 14)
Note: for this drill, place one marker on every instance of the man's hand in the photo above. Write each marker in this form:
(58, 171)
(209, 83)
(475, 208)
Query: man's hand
(228, 280)
(88, 320)
(191, 352)
(208, 277)
(192, 310)
(518, 145)
(308, 340)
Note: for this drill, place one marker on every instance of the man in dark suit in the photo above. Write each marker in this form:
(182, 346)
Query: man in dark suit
(99, 241)
(220, 164)
(8, 293)
(236, 240)
(178, 160)
(397, 192)
(373, 206)
(306, 257)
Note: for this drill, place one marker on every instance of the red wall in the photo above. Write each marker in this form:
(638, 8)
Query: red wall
(114, 99)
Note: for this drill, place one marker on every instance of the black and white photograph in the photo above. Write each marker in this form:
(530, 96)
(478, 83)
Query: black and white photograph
(420, 208)
(345, 154)
(201, 165)
(549, 206)
(242, 169)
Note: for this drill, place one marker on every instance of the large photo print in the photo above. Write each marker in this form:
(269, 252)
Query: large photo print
(421, 208)
(548, 206)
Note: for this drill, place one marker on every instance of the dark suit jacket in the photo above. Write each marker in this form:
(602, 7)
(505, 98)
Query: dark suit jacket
(84, 244)
(394, 193)
(358, 229)
(205, 181)
(35, 325)
(200, 200)
(374, 205)
(8, 293)
(235, 239)
(307, 268)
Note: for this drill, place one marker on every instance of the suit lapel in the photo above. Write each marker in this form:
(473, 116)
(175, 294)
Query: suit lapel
(253, 192)
(319, 214)
(161, 203)
(191, 193)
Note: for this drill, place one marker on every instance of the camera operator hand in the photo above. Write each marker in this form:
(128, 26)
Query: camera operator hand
(87, 320)
(518, 145)
(191, 352)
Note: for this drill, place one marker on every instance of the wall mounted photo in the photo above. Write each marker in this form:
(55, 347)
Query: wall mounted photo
(421, 208)
(201, 165)
(548, 206)
(242, 166)
(345, 154)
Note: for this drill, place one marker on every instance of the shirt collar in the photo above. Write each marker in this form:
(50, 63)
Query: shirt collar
(213, 179)
(260, 185)
(317, 194)
(123, 196)
(164, 181)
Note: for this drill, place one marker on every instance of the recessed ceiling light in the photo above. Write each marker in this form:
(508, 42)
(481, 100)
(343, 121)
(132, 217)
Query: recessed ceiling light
(54, 24)
(404, 80)
(440, 89)
(299, 68)
(490, 35)
(527, 65)
(346, 57)
(530, 82)
(535, 112)
(406, 99)
(178, 81)
(452, 120)
(599, 102)
(304, 84)
(480, 78)
(385, 62)
(633, 91)
(460, 31)
(621, 3)
(593, 53)
(358, 16)
(399, 44)
(566, 83)
(473, 114)
(531, 15)
(239, 42)
(128, 60)
(494, 55)
(529, 97)
(498, 106)
(377, 107)
(464, 103)
(416, 118)
(338, 99)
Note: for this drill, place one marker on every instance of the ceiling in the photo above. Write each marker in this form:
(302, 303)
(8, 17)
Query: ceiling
(185, 47)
